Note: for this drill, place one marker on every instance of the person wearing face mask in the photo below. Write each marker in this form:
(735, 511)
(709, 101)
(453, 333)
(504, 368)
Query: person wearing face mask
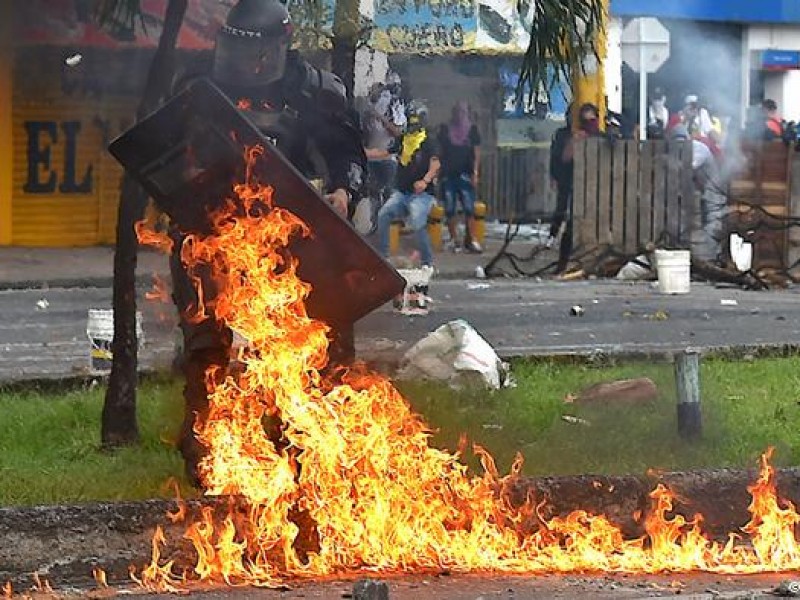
(562, 161)
(657, 116)
(381, 129)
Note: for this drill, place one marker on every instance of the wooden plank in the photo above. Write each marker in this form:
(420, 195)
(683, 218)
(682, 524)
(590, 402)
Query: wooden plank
(688, 201)
(673, 192)
(632, 186)
(645, 192)
(604, 195)
(659, 189)
(618, 177)
(592, 181)
(579, 195)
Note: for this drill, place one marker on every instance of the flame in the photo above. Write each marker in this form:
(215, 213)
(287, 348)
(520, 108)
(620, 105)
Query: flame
(350, 481)
(148, 236)
(100, 577)
(160, 291)
(41, 585)
(8, 590)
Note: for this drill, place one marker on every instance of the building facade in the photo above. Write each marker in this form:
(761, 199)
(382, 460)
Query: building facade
(732, 53)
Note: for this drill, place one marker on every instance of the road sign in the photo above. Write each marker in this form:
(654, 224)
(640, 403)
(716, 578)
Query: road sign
(645, 44)
(645, 47)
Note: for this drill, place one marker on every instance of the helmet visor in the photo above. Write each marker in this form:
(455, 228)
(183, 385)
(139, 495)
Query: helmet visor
(249, 61)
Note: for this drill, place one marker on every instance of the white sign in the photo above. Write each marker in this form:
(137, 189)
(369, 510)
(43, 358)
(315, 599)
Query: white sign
(645, 44)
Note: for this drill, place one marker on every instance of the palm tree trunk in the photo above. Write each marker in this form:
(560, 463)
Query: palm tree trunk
(119, 425)
(346, 20)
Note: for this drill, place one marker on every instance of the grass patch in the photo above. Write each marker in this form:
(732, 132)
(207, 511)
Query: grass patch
(49, 438)
(747, 406)
(50, 447)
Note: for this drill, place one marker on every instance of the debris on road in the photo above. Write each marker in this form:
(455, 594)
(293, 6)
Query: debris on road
(637, 269)
(453, 351)
(42, 304)
(729, 302)
(642, 389)
(369, 589)
(577, 311)
(479, 286)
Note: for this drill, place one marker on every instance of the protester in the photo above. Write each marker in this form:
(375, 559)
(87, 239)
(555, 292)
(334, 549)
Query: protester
(252, 61)
(382, 126)
(414, 194)
(657, 116)
(460, 141)
(773, 124)
(561, 170)
(708, 181)
(696, 117)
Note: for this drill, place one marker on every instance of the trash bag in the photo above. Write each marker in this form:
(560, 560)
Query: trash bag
(457, 354)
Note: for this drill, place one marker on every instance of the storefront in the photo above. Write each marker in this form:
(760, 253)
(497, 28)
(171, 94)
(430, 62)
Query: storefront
(68, 87)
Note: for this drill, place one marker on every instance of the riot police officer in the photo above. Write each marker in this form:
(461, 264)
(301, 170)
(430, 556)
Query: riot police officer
(304, 111)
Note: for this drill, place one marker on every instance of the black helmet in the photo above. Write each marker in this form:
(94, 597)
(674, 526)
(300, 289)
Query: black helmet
(252, 44)
(417, 114)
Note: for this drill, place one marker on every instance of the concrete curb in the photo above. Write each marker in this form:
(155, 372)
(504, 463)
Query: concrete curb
(64, 543)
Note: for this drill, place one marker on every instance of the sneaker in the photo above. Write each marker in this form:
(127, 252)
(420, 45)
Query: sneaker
(451, 246)
(474, 247)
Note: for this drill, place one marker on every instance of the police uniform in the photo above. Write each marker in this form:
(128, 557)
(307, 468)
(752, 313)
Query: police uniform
(303, 111)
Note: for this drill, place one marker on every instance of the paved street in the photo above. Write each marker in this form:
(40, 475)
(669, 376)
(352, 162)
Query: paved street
(43, 331)
(486, 587)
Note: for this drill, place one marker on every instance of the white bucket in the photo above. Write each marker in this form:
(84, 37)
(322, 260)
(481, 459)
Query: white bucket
(674, 271)
(100, 330)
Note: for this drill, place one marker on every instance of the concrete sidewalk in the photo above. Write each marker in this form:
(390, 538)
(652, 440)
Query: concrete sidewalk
(23, 268)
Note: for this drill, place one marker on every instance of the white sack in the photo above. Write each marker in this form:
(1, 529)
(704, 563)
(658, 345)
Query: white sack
(452, 351)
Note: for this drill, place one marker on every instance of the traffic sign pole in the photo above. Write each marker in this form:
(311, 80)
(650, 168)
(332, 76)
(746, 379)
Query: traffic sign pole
(642, 96)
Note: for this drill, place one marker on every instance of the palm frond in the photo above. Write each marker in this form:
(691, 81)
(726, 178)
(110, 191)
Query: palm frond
(563, 32)
(119, 15)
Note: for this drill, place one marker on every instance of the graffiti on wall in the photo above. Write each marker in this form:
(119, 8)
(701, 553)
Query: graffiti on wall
(424, 25)
(504, 25)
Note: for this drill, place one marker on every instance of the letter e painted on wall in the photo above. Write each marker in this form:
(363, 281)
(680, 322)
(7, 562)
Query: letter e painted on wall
(42, 178)
(41, 137)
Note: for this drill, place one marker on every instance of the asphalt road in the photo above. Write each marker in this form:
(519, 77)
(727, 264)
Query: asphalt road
(486, 587)
(43, 331)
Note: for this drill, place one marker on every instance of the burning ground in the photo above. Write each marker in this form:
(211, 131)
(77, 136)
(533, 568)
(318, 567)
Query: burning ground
(352, 486)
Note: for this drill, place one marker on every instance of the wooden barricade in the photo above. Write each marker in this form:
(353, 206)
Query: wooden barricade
(628, 193)
(515, 183)
(759, 201)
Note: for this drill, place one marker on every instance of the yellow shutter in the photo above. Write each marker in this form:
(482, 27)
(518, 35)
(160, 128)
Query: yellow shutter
(65, 185)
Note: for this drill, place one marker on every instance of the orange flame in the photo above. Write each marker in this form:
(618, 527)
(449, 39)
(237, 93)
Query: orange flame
(150, 237)
(353, 482)
(8, 590)
(100, 577)
(160, 291)
(41, 585)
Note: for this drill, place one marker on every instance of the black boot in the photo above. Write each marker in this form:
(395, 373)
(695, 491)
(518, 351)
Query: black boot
(195, 394)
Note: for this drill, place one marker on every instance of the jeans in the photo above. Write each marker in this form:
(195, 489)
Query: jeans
(380, 180)
(416, 208)
(456, 186)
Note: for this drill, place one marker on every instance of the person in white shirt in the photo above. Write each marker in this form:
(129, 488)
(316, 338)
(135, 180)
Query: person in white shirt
(696, 118)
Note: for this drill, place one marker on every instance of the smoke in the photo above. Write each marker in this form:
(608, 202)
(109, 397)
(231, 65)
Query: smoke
(705, 60)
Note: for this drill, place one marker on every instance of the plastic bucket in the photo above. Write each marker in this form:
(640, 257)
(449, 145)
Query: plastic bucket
(674, 271)
(100, 331)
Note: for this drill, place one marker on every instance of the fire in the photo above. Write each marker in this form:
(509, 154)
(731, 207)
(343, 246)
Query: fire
(353, 483)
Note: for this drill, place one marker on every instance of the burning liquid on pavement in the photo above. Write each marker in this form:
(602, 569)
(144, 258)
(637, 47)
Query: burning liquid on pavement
(355, 472)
